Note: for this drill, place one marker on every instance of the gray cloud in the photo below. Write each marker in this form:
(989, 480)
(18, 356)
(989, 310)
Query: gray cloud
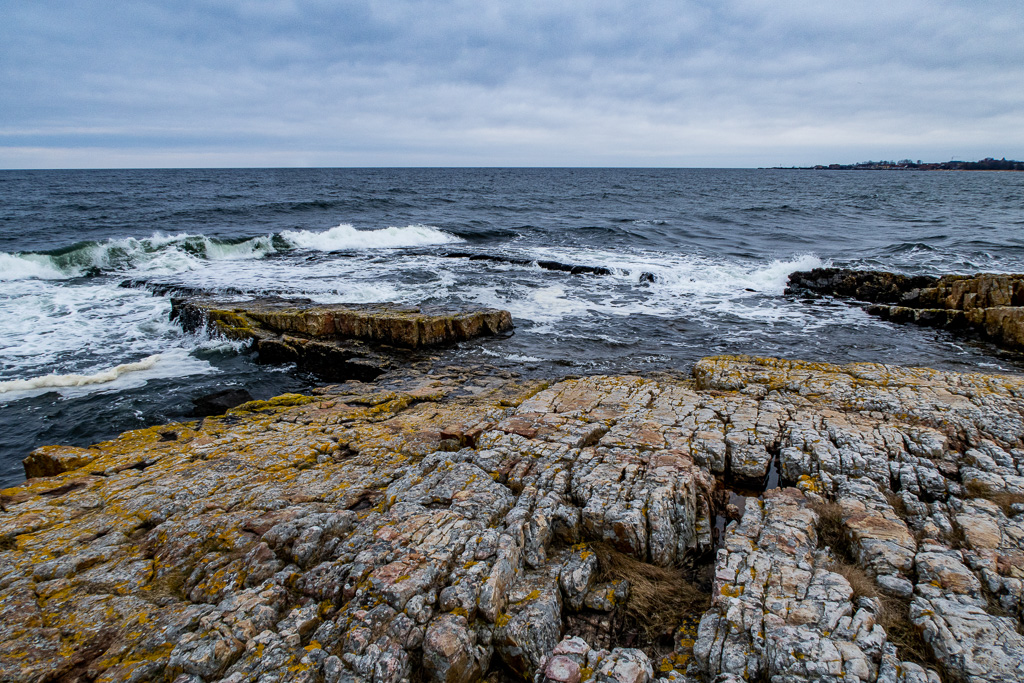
(309, 82)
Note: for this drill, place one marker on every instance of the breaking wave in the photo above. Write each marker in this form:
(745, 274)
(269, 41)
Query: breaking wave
(158, 253)
(183, 252)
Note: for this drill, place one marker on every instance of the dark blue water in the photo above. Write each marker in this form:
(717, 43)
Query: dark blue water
(698, 261)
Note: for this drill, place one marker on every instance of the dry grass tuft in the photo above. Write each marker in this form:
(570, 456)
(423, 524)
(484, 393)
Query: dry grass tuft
(832, 531)
(863, 585)
(659, 597)
(169, 586)
(897, 504)
(894, 616)
(895, 612)
(1004, 499)
(895, 619)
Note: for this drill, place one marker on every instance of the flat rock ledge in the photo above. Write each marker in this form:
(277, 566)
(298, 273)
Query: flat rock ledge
(423, 533)
(337, 341)
(992, 305)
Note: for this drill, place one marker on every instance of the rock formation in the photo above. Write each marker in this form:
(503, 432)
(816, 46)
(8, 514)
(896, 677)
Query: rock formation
(442, 529)
(336, 341)
(989, 304)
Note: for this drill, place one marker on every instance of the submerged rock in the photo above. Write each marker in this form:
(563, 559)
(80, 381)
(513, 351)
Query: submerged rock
(991, 305)
(413, 530)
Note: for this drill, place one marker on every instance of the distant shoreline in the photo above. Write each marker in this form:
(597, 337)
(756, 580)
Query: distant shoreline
(987, 164)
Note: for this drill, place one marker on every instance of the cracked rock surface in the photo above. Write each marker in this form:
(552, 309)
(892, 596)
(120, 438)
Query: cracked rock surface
(850, 523)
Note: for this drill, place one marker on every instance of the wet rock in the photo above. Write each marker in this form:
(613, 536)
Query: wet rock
(337, 342)
(990, 304)
(863, 285)
(219, 402)
(396, 325)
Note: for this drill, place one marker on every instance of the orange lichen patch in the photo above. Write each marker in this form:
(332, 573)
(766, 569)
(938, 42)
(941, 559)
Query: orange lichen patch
(731, 591)
(282, 401)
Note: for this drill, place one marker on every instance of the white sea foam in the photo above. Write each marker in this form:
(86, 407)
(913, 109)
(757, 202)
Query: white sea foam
(76, 380)
(173, 363)
(345, 237)
(702, 287)
(54, 329)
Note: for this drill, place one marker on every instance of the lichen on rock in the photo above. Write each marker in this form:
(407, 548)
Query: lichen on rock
(420, 531)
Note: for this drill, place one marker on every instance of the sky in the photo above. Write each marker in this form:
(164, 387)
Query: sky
(678, 83)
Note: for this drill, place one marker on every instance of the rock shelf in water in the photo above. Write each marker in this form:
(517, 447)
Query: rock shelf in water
(337, 341)
(991, 305)
(450, 527)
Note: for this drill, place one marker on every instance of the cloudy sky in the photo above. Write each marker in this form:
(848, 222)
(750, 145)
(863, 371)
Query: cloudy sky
(135, 83)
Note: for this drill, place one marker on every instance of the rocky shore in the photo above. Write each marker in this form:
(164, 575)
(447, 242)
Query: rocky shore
(337, 342)
(760, 520)
(989, 305)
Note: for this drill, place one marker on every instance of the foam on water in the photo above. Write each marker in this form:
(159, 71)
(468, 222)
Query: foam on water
(346, 237)
(691, 284)
(53, 334)
(76, 380)
(172, 363)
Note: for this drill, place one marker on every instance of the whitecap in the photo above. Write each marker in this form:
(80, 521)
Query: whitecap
(345, 236)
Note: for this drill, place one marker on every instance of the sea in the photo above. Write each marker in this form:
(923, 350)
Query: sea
(671, 265)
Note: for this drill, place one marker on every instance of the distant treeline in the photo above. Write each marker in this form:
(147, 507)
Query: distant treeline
(988, 164)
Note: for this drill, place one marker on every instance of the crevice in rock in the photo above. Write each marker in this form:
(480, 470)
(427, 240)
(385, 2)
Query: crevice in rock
(365, 501)
(499, 672)
(894, 615)
(62, 490)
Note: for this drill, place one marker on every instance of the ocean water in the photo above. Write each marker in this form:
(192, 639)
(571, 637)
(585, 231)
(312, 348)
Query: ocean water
(695, 263)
